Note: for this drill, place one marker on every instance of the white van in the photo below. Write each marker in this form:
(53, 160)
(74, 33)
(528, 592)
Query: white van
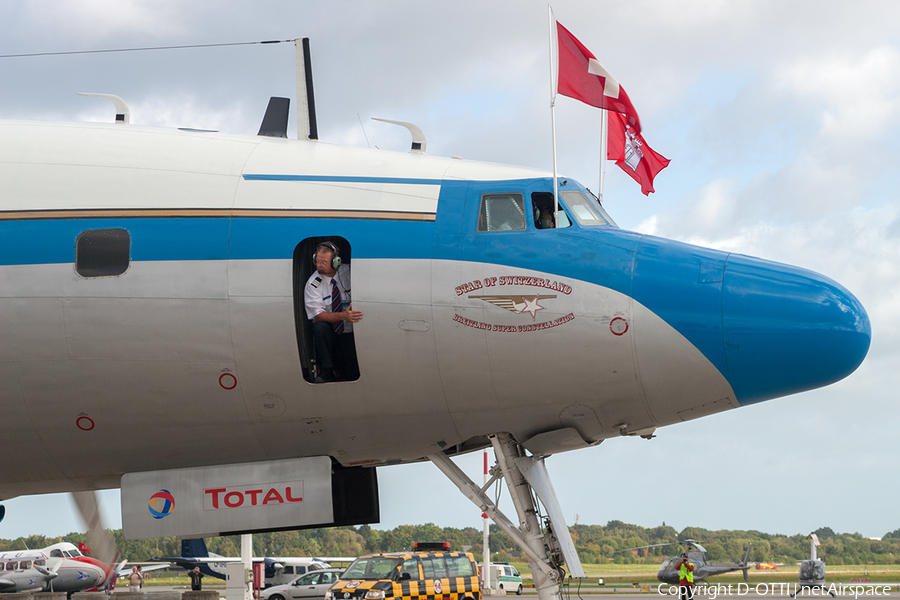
(505, 577)
(284, 569)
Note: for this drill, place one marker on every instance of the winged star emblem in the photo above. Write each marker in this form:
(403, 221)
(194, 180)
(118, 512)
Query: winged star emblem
(517, 303)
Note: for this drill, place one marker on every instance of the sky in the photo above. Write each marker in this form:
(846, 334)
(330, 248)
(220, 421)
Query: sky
(781, 119)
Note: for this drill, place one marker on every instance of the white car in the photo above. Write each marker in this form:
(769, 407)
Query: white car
(311, 585)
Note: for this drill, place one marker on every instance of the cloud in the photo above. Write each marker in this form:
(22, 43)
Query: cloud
(95, 21)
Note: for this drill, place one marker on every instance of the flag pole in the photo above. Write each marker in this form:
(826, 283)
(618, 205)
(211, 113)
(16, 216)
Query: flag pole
(603, 126)
(553, 117)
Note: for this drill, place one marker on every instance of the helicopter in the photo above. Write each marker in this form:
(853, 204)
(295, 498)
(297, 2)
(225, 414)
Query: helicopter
(812, 571)
(703, 568)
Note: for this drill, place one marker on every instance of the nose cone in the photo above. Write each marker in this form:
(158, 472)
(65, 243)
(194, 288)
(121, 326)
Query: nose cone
(787, 329)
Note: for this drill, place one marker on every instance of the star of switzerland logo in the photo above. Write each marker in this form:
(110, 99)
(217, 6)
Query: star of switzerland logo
(517, 303)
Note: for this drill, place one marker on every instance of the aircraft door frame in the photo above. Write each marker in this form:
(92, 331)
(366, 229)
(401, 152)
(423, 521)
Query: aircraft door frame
(302, 268)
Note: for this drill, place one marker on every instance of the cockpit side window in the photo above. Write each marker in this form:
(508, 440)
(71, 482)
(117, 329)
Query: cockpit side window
(502, 212)
(56, 553)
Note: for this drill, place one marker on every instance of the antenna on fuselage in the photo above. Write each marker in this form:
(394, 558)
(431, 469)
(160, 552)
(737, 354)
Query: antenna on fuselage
(275, 121)
(306, 100)
(418, 136)
(123, 115)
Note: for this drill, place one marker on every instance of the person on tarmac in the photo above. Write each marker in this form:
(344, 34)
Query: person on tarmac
(196, 579)
(686, 578)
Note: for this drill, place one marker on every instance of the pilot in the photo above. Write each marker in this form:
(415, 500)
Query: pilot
(686, 578)
(544, 218)
(327, 300)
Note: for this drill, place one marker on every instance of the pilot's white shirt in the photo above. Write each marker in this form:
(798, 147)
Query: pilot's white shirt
(317, 293)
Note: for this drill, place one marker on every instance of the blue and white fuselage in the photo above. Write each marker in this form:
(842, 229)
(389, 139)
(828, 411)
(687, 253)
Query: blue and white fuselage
(192, 353)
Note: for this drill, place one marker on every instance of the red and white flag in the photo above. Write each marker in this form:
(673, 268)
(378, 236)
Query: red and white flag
(581, 76)
(631, 152)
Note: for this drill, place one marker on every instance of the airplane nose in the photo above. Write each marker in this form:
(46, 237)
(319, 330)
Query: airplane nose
(787, 329)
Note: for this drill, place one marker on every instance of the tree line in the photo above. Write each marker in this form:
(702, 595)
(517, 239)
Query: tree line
(614, 542)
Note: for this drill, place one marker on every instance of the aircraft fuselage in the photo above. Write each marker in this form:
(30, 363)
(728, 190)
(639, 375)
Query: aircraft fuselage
(193, 354)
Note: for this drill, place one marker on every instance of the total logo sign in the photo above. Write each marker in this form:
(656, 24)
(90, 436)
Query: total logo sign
(161, 504)
(245, 496)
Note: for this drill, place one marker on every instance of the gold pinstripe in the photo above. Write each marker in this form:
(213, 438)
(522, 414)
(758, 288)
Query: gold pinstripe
(104, 213)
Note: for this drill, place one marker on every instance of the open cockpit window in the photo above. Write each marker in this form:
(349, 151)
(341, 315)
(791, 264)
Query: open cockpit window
(545, 215)
(502, 212)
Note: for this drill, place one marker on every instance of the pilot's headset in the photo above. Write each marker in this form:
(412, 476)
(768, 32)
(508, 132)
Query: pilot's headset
(335, 258)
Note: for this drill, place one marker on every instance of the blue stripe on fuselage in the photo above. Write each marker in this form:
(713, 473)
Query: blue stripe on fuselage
(51, 241)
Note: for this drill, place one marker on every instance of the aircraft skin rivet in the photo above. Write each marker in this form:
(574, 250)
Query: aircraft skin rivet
(84, 423)
(227, 381)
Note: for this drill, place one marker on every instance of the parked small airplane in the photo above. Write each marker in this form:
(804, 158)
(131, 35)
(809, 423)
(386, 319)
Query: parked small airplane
(697, 556)
(812, 571)
(279, 570)
(59, 568)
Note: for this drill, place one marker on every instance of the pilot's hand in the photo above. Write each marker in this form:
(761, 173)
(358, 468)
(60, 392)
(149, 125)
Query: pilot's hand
(351, 315)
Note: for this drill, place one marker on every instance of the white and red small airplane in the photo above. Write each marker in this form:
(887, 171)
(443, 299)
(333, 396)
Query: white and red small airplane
(60, 567)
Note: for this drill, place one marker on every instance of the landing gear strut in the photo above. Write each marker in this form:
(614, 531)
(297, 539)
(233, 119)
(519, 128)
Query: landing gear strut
(548, 548)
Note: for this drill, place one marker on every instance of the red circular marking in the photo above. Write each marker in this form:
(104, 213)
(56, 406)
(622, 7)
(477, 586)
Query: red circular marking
(227, 381)
(618, 326)
(84, 423)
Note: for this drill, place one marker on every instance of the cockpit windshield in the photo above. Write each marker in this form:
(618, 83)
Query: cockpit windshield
(586, 208)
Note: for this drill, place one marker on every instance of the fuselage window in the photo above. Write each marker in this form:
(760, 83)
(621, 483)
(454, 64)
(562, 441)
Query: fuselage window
(102, 252)
(502, 212)
(289, 570)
